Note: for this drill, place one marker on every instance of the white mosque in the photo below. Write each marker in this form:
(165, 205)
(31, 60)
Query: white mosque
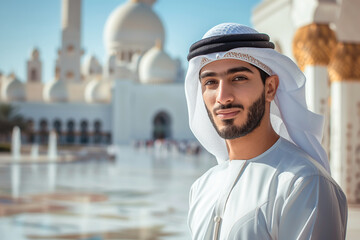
(137, 95)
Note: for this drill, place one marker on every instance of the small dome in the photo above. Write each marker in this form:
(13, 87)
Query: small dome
(97, 91)
(91, 66)
(132, 26)
(55, 91)
(13, 89)
(156, 66)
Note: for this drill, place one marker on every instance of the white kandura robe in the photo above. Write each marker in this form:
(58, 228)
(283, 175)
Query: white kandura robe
(280, 194)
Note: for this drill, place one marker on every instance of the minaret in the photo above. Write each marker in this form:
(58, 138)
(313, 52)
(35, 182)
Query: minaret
(34, 84)
(70, 52)
(313, 44)
(34, 67)
(344, 72)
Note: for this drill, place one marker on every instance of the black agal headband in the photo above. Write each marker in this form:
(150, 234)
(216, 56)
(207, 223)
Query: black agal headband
(227, 42)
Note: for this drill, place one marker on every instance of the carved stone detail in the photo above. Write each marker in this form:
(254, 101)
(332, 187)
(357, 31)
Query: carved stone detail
(313, 45)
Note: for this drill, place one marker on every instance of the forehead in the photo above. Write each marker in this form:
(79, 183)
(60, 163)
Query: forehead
(223, 65)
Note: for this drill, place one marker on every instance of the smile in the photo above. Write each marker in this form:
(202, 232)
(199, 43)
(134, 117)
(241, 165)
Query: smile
(227, 113)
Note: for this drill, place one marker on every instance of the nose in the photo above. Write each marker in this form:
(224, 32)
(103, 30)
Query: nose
(224, 94)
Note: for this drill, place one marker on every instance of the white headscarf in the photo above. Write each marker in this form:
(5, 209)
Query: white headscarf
(289, 114)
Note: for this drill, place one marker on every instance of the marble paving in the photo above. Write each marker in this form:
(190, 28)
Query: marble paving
(141, 194)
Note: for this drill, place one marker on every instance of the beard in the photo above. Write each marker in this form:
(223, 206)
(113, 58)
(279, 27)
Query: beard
(255, 115)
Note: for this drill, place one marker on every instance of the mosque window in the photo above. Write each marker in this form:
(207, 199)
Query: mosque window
(43, 132)
(70, 48)
(111, 71)
(70, 133)
(69, 75)
(161, 125)
(30, 131)
(122, 57)
(97, 132)
(130, 55)
(57, 128)
(84, 135)
(33, 75)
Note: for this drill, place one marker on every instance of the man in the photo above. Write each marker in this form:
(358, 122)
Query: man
(247, 106)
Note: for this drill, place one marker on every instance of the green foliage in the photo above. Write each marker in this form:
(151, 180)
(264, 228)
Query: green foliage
(9, 118)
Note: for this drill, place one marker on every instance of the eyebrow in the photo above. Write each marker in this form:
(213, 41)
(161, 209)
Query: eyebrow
(229, 71)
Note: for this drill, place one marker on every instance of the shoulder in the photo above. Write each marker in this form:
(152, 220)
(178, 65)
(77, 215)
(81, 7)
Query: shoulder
(298, 169)
(210, 177)
(295, 161)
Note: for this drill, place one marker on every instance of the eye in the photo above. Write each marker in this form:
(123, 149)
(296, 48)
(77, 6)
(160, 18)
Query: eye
(209, 82)
(240, 78)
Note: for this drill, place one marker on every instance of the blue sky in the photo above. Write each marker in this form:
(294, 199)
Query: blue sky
(26, 24)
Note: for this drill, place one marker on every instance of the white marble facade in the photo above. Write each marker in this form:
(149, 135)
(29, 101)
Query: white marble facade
(136, 95)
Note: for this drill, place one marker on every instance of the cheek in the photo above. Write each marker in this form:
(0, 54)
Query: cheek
(209, 98)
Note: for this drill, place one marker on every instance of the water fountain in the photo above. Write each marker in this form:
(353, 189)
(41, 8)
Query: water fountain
(35, 151)
(52, 156)
(15, 168)
(52, 148)
(16, 143)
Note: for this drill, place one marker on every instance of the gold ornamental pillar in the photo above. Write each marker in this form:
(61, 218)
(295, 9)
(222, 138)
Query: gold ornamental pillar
(344, 73)
(313, 45)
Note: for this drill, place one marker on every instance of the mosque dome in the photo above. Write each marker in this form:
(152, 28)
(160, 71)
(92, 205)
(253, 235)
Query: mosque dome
(132, 26)
(96, 91)
(13, 89)
(55, 91)
(91, 66)
(156, 66)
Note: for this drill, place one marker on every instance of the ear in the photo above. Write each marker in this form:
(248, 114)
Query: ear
(271, 85)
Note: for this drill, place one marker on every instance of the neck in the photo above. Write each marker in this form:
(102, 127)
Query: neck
(254, 143)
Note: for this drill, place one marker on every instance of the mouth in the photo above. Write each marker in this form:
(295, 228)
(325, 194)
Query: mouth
(225, 114)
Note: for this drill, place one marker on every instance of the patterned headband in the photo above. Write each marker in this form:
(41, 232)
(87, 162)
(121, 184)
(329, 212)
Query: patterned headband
(227, 42)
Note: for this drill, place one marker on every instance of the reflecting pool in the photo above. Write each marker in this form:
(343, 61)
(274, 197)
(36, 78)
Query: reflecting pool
(139, 194)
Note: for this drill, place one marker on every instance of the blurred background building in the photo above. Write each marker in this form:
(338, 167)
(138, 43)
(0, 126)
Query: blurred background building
(138, 94)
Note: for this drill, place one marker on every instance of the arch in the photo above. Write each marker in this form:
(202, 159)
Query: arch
(97, 131)
(57, 126)
(43, 131)
(162, 125)
(30, 130)
(84, 135)
(70, 131)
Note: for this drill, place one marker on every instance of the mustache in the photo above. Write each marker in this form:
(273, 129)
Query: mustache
(221, 106)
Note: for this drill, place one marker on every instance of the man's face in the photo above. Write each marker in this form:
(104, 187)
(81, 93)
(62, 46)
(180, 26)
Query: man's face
(234, 97)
